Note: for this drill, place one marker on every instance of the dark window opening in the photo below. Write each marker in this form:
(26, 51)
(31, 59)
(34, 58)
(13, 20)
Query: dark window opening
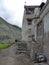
(40, 28)
(29, 21)
(29, 29)
(29, 10)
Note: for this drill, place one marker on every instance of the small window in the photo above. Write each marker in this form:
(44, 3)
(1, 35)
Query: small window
(29, 21)
(29, 11)
(40, 28)
(29, 29)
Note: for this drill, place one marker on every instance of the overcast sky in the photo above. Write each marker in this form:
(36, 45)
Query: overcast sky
(12, 10)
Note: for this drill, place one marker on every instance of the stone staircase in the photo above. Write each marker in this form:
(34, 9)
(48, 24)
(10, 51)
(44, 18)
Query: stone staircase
(21, 48)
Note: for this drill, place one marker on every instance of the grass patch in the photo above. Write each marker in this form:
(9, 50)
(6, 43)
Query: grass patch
(5, 45)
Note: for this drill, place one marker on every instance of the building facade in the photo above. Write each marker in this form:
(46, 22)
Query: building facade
(36, 23)
(28, 26)
(42, 30)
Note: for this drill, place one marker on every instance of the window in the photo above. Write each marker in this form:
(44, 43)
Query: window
(29, 11)
(29, 29)
(40, 28)
(29, 21)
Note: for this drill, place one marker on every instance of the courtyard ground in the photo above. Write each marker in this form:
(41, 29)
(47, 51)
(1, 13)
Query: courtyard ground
(9, 57)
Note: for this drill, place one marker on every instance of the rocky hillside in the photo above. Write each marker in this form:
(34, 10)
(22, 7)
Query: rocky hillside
(8, 32)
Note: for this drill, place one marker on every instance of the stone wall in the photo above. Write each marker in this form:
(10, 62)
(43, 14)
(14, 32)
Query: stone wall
(44, 17)
(46, 36)
(8, 32)
(46, 45)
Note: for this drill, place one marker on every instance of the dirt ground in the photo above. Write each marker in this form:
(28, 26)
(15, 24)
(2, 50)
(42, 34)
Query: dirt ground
(9, 57)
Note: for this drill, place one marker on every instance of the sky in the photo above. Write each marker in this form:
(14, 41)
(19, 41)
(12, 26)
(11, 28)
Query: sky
(12, 10)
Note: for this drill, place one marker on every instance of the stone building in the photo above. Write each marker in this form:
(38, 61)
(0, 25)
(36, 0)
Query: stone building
(36, 23)
(42, 29)
(28, 26)
(9, 33)
(28, 22)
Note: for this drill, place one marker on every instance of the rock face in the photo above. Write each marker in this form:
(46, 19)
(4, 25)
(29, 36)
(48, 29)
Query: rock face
(9, 33)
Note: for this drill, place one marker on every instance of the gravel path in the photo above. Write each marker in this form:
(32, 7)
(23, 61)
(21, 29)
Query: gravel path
(9, 57)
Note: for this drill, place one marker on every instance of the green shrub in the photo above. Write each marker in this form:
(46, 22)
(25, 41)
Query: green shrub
(5, 45)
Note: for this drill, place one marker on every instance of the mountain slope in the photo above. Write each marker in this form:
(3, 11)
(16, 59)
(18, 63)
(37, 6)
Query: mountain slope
(8, 32)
